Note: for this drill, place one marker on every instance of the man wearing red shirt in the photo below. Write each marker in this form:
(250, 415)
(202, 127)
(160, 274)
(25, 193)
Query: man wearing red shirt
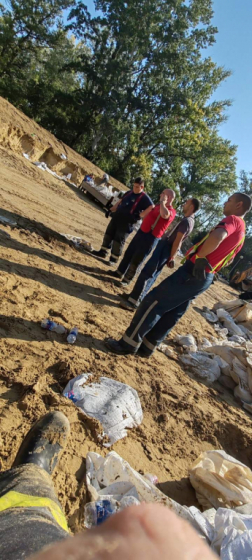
(153, 226)
(163, 306)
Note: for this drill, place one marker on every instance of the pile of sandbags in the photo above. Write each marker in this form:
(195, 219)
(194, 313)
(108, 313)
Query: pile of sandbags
(227, 360)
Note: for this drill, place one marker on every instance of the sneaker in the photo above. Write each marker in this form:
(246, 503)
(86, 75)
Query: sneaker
(44, 442)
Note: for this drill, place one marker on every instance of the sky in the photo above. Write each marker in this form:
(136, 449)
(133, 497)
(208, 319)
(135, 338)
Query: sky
(233, 50)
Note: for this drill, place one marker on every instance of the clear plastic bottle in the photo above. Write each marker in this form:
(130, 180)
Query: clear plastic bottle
(72, 335)
(97, 512)
(52, 326)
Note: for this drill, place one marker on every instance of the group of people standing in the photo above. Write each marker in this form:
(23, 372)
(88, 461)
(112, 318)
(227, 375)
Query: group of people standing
(157, 311)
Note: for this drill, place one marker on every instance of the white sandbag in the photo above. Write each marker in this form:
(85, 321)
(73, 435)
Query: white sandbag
(113, 477)
(221, 480)
(228, 322)
(205, 343)
(202, 365)
(167, 350)
(223, 351)
(239, 339)
(229, 305)
(187, 341)
(242, 392)
(243, 314)
(224, 366)
(227, 381)
(210, 316)
(249, 372)
(232, 535)
(115, 405)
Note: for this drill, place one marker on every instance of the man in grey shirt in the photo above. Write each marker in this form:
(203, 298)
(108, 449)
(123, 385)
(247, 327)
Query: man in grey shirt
(164, 253)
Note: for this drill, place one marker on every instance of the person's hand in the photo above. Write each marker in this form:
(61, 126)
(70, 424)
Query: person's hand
(163, 198)
(171, 263)
(199, 269)
(140, 532)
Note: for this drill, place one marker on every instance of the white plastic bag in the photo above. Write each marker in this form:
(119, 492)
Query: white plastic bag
(221, 480)
(115, 405)
(114, 478)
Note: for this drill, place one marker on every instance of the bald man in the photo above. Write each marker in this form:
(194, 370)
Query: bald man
(154, 224)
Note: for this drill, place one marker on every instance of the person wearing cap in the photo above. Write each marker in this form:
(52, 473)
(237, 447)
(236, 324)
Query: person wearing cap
(164, 254)
(153, 227)
(134, 205)
(164, 305)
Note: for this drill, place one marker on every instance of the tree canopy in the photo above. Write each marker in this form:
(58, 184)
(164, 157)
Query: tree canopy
(130, 88)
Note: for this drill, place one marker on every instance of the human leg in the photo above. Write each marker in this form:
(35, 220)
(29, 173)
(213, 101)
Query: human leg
(30, 514)
(107, 239)
(150, 272)
(121, 234)
(128, 255)
(161, 329)
(140, 256)
(175, 290)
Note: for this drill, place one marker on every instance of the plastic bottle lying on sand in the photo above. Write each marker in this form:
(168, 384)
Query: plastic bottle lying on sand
(72, 335)
(52, 326)
(97, 512)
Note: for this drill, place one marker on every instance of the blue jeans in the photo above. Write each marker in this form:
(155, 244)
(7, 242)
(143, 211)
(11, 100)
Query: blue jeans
(162, 308)
(151, 271)
(136, 253)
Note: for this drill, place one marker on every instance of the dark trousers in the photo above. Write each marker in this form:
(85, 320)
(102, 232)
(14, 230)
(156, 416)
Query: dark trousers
(151, 271)
(115, 236)
(136, 253)
(162, 308)
(24, 528)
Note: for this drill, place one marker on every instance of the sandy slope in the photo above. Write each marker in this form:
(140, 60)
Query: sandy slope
(40, 276)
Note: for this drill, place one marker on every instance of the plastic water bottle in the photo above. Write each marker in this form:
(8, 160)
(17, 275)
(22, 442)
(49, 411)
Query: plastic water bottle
(52, 326)
(72, 336)
(97, 512)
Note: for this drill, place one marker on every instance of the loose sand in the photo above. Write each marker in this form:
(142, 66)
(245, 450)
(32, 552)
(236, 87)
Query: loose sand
(41, 275)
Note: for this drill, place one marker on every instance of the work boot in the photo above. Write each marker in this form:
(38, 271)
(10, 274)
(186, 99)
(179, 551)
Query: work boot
(101, 253)
(44, 442)
(117, 348)
(126, 304)
(114, 273)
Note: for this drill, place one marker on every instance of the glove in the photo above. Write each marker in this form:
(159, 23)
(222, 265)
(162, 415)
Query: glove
(171, 263)
(199, 269)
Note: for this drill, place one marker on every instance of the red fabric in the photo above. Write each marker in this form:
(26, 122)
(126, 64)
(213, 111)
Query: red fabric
(162, 223)
(235, 228)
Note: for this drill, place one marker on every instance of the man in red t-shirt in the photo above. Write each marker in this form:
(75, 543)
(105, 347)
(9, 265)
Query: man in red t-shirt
(162, 307)
(153, 226)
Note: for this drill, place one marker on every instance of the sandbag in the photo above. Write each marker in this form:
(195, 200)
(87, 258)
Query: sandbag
(228, 322)
(187, 341)
(242, 392)
(221, 480)
(202, 365)
(227, 381)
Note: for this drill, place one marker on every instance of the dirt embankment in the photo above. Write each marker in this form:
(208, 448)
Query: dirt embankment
(40, 276)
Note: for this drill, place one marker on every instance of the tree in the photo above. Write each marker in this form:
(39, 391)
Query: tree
(27, 29)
